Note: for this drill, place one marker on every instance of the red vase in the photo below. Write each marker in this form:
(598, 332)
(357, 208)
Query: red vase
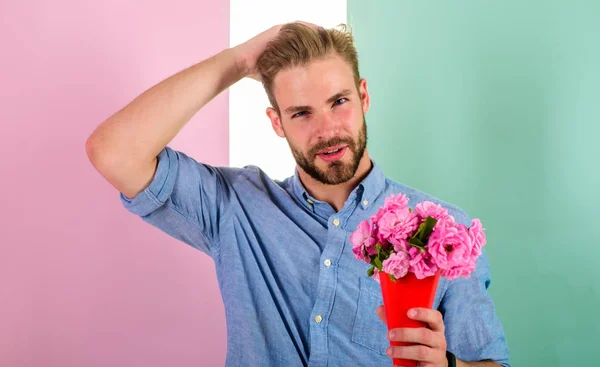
(400, 296)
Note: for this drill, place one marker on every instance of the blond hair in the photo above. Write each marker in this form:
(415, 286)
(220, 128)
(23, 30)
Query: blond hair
(297, 44)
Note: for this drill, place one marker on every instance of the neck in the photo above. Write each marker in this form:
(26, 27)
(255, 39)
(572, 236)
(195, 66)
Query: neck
(336, 195)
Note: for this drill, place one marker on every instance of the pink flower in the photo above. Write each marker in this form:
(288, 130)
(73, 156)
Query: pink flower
(363, 244)
(460, 271)
(397, 264)
(450, 246)
(421, 263)
(397, 225)
(396, 201)
(428, 209)
(390, 203)
(445, 222)
(399, 244)
(465, 269)
(477, 237)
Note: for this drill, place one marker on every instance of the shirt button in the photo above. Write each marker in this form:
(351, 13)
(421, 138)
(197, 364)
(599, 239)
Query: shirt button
(336, 222)
(327, 262)
(318, 319)
(365, 202)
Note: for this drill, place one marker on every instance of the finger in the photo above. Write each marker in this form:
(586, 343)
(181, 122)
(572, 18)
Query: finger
(433, 318)
(381, 313)
(422, 335)
(419, 353)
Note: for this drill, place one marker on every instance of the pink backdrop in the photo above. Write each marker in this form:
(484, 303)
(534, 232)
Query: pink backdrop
(82, 281)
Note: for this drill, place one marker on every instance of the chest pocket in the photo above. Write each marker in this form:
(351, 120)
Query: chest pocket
(368, 330)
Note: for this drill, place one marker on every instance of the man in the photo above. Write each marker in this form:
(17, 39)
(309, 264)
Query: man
(294, 293)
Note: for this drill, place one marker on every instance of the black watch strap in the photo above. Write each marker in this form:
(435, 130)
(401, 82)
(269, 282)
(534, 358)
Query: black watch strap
(451, 359)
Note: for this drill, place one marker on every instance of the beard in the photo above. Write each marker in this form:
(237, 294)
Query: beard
(336, 172)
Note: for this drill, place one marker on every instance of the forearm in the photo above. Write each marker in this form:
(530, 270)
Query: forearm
(124, 147)
(149, 122)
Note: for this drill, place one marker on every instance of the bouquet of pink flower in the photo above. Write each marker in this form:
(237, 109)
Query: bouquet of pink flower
(397, 240)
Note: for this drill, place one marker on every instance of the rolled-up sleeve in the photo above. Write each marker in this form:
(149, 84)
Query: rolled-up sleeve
(185, 199)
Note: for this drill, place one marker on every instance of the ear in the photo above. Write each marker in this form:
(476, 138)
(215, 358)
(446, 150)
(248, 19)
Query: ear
(275, 122)
(364, 95)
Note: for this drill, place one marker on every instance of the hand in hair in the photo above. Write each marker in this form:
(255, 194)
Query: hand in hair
(249, 51)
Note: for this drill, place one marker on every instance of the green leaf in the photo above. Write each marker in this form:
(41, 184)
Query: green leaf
(371, 271)
(393, 278)
(419, 231)
(427, 228)
(416, 242)
(377, 263)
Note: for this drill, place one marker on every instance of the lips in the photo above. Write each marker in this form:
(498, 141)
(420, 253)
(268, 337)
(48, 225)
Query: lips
(331, 149)
(332, 154)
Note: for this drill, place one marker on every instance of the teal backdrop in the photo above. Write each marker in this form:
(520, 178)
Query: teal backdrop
(495, 107)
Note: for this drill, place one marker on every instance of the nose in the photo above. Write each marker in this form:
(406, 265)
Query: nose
(327, 126)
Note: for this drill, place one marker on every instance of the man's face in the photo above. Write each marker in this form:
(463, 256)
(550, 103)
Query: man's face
(322, 118)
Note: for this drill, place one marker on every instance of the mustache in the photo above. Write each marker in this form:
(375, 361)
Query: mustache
(330, 143)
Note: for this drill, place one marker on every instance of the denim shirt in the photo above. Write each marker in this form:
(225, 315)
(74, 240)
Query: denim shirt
(293, 292)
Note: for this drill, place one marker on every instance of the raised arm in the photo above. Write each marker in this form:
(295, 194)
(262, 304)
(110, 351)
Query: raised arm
(124, 148)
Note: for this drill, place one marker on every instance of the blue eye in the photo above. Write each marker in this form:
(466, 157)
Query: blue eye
(299, 114)
(340, 101)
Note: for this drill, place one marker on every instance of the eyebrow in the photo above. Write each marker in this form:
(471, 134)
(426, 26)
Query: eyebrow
(335, 97)
(339, 95)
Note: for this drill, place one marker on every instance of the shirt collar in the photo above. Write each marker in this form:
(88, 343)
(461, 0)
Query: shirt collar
(372, 185)
(366, 191)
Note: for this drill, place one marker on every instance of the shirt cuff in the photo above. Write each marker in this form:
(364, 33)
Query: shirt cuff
(159, 190)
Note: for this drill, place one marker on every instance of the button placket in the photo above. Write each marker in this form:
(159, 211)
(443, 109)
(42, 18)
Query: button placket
(326, 290)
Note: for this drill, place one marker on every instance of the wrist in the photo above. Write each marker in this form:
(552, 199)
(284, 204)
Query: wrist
(240, 62)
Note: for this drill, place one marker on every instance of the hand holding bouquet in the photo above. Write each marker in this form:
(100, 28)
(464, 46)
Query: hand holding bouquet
(408, 251)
